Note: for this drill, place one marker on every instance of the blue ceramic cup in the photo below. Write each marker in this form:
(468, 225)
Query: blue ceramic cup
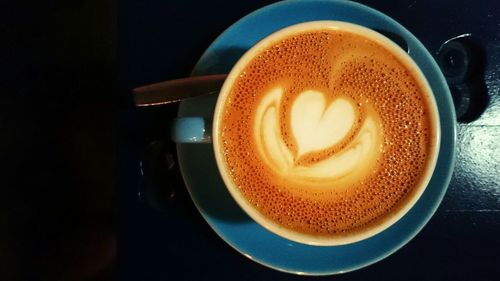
(195, 130)
(218, 207)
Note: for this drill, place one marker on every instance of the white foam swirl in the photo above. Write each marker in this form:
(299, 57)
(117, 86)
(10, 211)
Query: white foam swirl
(316, 127)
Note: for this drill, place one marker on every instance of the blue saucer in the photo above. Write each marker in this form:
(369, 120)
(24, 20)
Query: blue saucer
(223, 214)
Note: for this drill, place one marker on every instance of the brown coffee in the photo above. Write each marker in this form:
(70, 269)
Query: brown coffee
(327, 133)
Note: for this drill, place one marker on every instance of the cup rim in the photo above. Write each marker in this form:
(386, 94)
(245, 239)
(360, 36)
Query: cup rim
(310, 26)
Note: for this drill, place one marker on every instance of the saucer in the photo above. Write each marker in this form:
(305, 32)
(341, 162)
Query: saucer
(222, 213)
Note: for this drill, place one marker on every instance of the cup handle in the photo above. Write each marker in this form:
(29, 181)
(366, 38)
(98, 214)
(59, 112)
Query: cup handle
(191, 130)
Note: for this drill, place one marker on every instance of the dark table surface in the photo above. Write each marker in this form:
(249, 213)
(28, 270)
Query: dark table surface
(57, 163)
(161, 235)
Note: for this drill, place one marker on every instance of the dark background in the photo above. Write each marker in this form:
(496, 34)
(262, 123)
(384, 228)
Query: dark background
(57, 111)
(73, 204)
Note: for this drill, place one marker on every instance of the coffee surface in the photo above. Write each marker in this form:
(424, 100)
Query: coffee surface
(326, 133)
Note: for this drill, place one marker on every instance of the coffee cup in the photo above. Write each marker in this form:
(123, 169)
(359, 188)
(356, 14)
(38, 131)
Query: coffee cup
(325, 133)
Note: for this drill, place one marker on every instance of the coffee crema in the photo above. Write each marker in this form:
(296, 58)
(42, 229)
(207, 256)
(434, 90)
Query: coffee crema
(326, 133)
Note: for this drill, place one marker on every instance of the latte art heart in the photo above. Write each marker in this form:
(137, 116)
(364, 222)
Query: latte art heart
(316, 128)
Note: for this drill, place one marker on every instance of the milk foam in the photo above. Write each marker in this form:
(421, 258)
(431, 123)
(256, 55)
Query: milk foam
(316, 127)
(369, 113)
